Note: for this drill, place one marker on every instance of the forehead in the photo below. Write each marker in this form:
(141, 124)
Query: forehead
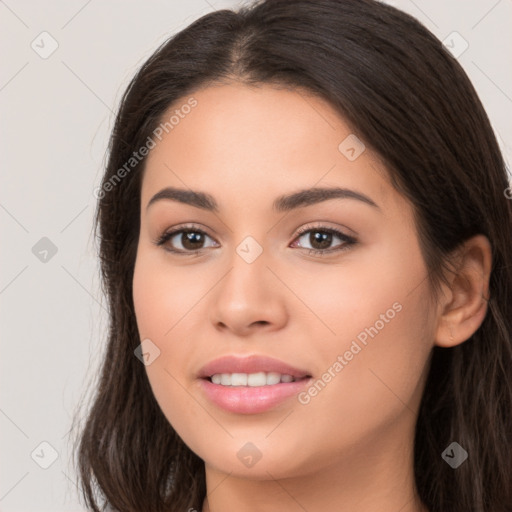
(258, 142)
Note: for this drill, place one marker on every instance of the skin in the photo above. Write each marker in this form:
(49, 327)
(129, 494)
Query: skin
(350, 447)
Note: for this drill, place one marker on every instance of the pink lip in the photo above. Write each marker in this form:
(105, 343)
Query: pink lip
(250, 364)
(248, 399)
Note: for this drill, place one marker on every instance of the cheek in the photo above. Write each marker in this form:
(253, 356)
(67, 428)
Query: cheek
(384, 337)
(366, 298)
(164, 300)
(163, 295)
(381, 305)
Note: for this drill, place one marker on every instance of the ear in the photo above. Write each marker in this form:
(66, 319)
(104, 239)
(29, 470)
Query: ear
(464, 305)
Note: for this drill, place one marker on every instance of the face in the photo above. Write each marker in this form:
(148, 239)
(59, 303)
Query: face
(333, 286)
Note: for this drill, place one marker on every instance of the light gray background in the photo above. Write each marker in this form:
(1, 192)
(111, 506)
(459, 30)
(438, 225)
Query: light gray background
(56, 117)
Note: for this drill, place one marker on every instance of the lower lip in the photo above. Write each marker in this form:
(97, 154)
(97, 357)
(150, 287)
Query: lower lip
(251, 400)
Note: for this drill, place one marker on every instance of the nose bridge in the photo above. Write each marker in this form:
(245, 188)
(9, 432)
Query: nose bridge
(247, 294)
(247, 278)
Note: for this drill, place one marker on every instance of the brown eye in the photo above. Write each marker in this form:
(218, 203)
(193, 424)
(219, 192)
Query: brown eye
(184, 240)
(191, 240)
(320, 240)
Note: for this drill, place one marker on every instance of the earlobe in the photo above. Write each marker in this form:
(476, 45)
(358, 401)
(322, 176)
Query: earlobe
(465, 304)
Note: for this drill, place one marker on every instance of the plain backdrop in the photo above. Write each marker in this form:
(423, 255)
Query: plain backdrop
(57, 110)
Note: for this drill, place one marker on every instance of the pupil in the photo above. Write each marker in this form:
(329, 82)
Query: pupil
(324, 239)
(192, 238)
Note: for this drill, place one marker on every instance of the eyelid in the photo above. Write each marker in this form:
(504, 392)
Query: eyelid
(324, 225)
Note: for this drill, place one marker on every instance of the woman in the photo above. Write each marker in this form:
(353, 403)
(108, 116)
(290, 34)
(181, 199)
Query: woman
(305, 243)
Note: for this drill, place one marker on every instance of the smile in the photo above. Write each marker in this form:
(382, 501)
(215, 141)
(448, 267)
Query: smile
(250, 384)
(251, 379)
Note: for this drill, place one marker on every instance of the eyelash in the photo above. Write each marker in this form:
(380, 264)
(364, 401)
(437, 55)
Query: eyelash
(348, 240)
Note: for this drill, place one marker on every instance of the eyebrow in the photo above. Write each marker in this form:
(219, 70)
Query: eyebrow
(282, 203)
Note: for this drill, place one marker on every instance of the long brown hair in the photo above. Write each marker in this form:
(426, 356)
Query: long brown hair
(412, 103)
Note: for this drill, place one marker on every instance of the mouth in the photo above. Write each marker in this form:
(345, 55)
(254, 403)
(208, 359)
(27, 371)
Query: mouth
(254, 370)
(250, 385)
(257, 379)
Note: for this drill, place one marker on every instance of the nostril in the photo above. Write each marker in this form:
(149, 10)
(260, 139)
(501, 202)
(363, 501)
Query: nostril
(261, 322)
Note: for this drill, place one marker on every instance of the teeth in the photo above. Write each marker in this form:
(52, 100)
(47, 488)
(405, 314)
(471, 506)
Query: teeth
(238, 379)
(273, 378)
(251, 379)
(217, 378)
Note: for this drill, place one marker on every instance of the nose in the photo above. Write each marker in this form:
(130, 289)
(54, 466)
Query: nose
(249, 299)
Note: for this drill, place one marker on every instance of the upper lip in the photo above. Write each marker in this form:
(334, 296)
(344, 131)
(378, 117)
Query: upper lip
(250, 364)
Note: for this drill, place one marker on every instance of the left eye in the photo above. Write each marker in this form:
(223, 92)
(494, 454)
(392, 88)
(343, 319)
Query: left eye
(322, 238)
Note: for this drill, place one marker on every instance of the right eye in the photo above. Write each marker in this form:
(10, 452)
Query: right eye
(185, 240)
